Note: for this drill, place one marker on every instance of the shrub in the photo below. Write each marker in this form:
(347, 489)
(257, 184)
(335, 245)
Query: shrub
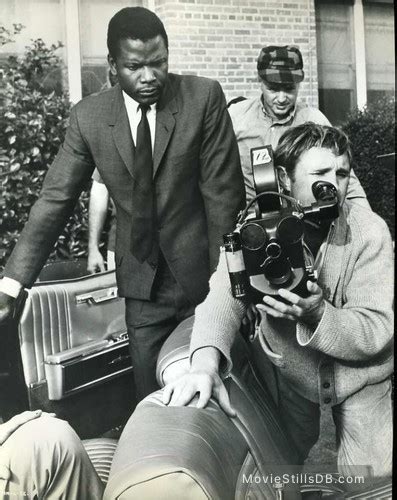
(31, 131)
(371, 132)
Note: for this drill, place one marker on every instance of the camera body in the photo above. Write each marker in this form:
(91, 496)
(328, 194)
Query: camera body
(266, 252)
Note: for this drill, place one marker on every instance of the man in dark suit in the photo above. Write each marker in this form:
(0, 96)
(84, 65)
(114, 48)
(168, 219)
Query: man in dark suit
(165, 149)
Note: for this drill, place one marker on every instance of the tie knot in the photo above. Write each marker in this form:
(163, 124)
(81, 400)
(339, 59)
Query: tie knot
(144, 108)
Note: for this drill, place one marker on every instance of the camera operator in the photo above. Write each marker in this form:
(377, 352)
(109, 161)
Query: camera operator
(331, 349)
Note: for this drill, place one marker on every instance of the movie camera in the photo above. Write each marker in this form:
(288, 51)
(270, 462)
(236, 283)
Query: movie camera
(266, 252)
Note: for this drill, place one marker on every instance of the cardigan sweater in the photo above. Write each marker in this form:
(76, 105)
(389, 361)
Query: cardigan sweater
(352, 345)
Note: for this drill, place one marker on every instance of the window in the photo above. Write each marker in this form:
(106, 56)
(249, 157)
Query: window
(29, 13)
(336, 64)
(379, 49)
(94, 16)
(338, 45)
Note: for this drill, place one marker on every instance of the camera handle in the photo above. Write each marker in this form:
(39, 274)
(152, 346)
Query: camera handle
(292, 201)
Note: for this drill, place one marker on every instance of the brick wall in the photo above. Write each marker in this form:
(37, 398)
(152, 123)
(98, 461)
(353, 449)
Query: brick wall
(221, 39)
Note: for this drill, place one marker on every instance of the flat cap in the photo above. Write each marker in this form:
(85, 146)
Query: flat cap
(280, 64)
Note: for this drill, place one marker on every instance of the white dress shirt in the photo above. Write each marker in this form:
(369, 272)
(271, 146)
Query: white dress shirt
(12, 287)
(134, 117)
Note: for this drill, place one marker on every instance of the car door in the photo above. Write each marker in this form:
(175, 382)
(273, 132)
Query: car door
(68, 353)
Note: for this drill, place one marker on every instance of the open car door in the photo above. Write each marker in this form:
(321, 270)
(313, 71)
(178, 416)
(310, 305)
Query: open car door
(68, 352)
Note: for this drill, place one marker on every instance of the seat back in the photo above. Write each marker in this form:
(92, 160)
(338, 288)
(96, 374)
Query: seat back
(101, 452)
(197, 453)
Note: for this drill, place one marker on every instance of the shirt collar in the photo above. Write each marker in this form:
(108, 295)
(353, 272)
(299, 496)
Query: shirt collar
(277, 121)
(133, 105)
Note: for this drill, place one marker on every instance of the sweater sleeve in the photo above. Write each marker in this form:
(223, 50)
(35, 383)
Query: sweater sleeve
(363, 327)
(218, 318)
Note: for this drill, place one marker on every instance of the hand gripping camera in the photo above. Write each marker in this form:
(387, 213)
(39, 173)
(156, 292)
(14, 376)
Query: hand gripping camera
(266, 253)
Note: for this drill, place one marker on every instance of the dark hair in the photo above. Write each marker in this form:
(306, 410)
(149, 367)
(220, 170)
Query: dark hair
(298, 139)
(136, 23)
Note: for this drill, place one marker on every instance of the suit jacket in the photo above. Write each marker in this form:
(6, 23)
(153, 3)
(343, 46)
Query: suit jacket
(198, 182)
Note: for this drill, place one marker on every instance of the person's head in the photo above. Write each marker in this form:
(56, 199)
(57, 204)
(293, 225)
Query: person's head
(309, 153)
(138, 53)
(280, 71)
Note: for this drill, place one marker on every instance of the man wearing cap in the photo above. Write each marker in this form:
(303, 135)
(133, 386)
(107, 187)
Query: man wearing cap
(262, 120)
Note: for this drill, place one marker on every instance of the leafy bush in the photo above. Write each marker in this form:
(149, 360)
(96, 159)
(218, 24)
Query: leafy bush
(31, 130)
(371, 132)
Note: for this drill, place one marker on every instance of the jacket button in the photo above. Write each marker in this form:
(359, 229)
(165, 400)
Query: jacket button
(326, 385)
(153, 265)
(327, 400)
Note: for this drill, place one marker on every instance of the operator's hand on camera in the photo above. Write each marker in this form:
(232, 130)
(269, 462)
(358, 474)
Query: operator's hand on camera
(308, 310)
(202, 379)
(250, 321)
(7, 307)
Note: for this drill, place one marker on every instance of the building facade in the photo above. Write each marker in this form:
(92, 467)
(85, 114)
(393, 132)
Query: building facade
(348, 46)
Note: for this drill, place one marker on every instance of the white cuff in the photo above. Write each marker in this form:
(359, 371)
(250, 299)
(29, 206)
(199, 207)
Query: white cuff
(10, 287)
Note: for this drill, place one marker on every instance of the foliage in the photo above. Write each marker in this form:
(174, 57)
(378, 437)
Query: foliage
(371, 132)
(36, 111)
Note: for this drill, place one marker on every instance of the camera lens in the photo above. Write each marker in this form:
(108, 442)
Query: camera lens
(324, 191)
(253, 236)
(290, 229)
(277, 271)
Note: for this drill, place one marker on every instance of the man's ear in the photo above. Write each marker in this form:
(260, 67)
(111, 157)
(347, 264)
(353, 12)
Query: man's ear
(283, 177)
(112, 65)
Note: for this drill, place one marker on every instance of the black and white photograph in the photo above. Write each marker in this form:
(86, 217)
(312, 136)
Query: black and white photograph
(197, 225)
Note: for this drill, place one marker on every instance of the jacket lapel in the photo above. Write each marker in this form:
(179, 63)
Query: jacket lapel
(165, 124)
(120, 126)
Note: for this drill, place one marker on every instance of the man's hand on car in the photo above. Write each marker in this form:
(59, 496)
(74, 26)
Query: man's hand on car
(308, 310)
(95, 261)
(202, 379)
(7, 306)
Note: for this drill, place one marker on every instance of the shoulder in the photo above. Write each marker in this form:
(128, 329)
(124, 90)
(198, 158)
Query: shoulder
(195, 94)
(193, 83)
(98, 98)
(96, 105)
(305, 113)
(245, 107)
(365, 225)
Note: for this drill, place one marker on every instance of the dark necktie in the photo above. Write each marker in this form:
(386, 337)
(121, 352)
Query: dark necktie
(142, 225)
